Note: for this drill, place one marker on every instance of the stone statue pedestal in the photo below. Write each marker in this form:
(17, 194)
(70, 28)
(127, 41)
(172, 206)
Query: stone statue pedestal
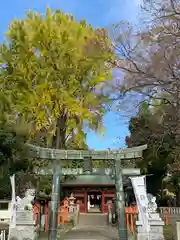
(156, 225)
(25, 228)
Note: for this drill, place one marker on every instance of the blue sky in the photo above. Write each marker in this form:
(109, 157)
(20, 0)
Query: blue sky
(99, 13)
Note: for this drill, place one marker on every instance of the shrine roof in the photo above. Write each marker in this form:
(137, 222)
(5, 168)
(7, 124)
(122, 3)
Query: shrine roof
(90, 180)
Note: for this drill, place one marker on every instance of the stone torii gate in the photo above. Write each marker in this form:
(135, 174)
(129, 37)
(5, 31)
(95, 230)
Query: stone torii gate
(116, 155)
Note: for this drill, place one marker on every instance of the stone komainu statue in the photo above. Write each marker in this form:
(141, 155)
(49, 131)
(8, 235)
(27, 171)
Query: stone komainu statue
(24, 229)
(152, 206)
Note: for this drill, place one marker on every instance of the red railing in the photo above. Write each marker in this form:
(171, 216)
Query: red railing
(131, 217)
(62, 214)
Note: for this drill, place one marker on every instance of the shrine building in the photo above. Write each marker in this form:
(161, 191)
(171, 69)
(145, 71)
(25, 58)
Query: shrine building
(92, 192)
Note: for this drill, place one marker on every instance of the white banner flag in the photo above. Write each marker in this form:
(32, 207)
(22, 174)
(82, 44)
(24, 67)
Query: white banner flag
(13, 204)
(140, 193)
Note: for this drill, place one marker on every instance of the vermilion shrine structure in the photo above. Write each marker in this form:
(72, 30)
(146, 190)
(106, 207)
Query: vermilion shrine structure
(102, 178)
(101, 186)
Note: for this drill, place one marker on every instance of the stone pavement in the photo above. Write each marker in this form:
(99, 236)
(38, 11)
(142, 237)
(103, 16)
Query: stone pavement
(92, 233)
(92, 226)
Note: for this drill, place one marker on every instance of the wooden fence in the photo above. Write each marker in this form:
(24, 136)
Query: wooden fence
(131, 217)
(66, 214)
(169, 214)
(39, 217)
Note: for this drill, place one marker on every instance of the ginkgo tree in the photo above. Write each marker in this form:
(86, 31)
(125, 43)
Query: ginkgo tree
(53, 68)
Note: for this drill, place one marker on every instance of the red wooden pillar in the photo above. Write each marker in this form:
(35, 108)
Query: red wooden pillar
(36, 209)
(102, 202)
